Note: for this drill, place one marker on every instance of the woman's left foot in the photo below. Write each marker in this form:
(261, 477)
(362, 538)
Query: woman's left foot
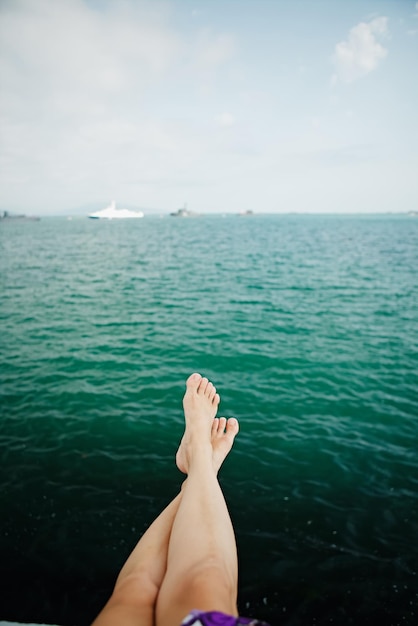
(223, 434)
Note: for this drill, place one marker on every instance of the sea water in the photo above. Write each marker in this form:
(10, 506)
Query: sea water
(307, 325)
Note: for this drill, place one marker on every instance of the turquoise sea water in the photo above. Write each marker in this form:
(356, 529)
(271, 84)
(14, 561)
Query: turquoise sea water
(308, 327)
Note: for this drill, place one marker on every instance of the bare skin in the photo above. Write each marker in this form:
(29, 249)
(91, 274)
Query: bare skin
(202, 568)
(134, 599)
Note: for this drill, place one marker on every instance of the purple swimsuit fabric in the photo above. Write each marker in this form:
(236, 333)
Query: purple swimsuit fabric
(214, 618)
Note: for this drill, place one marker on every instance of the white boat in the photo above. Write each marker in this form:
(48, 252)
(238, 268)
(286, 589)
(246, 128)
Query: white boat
(112, 213)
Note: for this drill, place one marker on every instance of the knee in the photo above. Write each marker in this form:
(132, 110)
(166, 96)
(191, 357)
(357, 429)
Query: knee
(135, 590)
(212, 570)
(132, 601)
(213, 584)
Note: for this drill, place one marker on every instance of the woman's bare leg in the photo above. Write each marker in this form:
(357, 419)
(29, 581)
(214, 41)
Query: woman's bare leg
(202, 568)
(134, 597)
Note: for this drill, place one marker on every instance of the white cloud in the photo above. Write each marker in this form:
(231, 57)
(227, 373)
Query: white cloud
(361, 53)
(69, 45)
(225, 120)
(69, 56)
(214, 50)
(208, 54)
(136, 100)
(79, 84)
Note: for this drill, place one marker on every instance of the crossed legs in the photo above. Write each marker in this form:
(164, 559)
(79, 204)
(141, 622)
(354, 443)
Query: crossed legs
(187, 558)
(133, 599)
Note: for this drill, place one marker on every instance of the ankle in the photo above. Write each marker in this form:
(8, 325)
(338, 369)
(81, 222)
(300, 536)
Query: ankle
(200, 453)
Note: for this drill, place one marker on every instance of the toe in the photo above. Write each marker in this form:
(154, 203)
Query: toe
(222, 425)
(216, 400)
(210, 391)
(215, 425)
(193, 381)
(203, 384)
(232, 427)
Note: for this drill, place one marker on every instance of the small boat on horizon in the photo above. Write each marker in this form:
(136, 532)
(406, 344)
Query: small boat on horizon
(5, 215)
(183, 212)
(112, 213)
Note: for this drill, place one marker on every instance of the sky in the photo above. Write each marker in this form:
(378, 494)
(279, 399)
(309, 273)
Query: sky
(226, 105)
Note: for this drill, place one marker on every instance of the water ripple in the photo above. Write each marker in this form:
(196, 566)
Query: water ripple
(309, 328)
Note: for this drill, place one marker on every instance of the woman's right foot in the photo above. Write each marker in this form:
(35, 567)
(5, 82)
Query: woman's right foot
(223, 434)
